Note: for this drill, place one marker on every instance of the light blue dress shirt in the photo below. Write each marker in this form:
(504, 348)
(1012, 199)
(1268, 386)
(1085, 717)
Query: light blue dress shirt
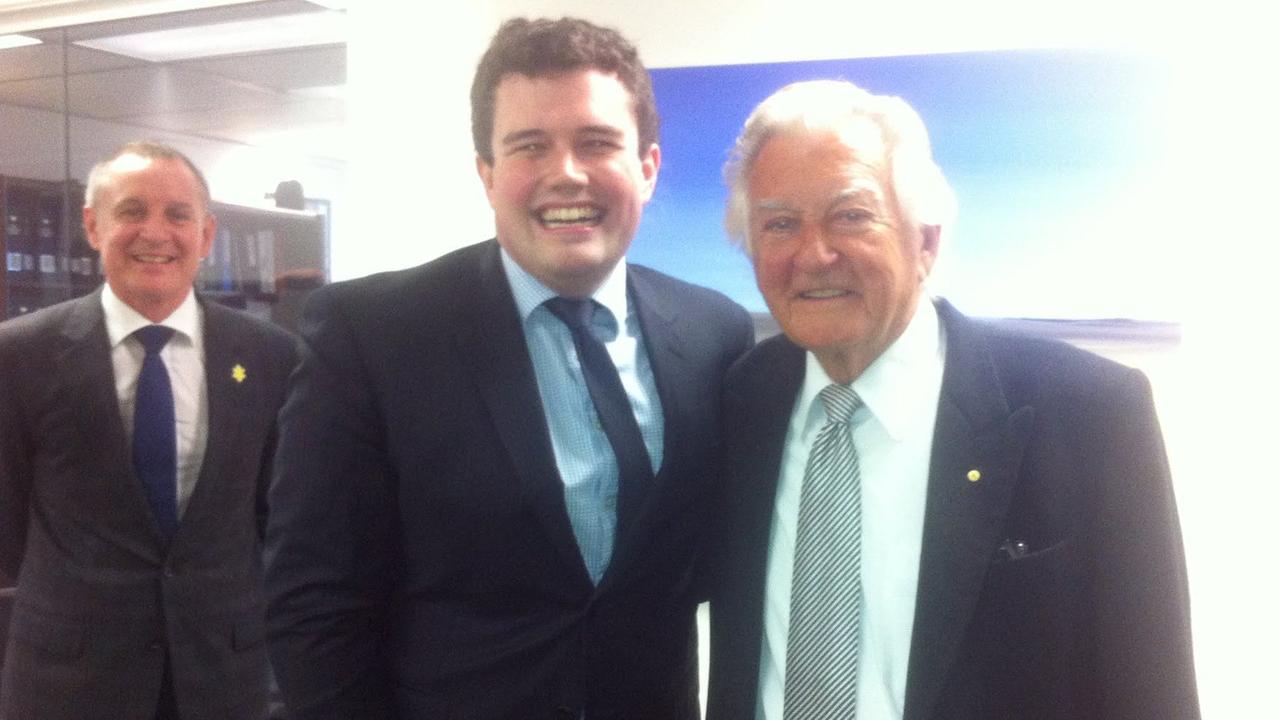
(582, 451)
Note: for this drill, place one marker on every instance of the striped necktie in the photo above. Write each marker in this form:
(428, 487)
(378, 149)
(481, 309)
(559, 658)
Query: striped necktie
(826, 587)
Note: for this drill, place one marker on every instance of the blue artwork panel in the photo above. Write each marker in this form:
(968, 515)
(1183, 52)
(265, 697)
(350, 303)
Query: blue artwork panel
(1056, 159)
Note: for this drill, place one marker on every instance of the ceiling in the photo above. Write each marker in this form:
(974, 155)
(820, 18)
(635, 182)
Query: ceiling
(277, 97)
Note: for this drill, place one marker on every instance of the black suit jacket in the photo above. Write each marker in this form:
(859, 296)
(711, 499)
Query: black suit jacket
(421, 563)
(1091, 622)
(101, 596)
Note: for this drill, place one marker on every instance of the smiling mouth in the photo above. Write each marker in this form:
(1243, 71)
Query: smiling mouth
(823, 294)
(153, 259)
(568, 217)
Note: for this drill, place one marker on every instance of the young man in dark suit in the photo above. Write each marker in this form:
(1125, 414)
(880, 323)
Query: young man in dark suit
(495, 468)
(137, 427)
(923, 517)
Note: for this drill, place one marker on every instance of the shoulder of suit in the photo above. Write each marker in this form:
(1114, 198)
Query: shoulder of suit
(257, 331)
(768, 357)
(686, 295)
(645, 274)
(455, 272)
(43, 322)
(1033, 366)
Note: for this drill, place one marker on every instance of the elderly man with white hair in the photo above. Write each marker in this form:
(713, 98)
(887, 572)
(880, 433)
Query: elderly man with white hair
(923, 516)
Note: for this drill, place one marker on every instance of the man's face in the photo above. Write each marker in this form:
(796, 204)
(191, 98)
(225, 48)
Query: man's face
(838, 266)
(152, 228)
(568, 180)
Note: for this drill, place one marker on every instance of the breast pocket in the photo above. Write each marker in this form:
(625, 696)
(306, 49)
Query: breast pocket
(1027, 631)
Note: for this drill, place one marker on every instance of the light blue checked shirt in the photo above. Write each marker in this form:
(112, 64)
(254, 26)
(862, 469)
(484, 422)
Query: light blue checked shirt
(583, 454)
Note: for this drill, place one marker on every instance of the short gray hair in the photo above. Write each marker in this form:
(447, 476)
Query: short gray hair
(101, 172)
(924, 196)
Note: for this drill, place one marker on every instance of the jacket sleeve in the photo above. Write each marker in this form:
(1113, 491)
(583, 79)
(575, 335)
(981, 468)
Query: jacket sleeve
(331, 555)
(15, 464)
(1137, 569)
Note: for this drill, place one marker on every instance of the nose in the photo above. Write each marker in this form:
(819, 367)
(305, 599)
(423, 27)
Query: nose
(815, 251)
(153, 226)
(569, 170)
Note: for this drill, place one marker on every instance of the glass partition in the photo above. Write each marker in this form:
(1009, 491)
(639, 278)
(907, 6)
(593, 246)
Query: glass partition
(252, 92)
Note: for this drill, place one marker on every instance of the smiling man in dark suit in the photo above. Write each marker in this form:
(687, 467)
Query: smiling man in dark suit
(495, 468)
(923, 517)
(137, 428)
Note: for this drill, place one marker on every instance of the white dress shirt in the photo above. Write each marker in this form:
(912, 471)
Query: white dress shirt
(183, 356)
(893, 434)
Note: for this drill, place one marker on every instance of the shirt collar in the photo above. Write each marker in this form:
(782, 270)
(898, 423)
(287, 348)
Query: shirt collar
(891, 388)
(530, 293)
(122, 320)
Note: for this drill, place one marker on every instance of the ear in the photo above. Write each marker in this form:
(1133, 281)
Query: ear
(89, 217)
(650, 161)
(210, 229)
(930, 236)
(485, 171)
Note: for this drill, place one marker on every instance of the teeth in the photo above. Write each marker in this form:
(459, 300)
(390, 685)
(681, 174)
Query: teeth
(820, 294)
(570, 215)
(157, 259)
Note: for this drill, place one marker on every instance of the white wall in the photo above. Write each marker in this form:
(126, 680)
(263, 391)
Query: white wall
(416, 196)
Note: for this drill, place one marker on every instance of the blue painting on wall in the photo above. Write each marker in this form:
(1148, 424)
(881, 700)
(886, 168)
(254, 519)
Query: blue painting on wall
(1058, 160)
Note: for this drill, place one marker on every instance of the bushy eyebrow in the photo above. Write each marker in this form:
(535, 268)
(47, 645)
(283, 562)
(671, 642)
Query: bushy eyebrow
(520, 136)
(858, 191)
(130, 203)
(770, 204)
(609, 130)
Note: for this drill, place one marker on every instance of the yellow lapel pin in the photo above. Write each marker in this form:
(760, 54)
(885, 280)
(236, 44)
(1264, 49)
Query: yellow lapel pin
(238, 373)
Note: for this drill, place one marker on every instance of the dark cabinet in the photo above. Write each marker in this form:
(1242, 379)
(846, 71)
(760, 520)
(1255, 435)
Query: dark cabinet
(263, 260)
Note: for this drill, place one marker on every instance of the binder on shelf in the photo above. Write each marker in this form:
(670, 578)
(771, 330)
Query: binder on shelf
(82, 264)
(48, 226)
(19, 228)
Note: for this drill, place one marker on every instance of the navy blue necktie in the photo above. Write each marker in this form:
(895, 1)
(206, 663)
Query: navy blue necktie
(610, 399)
(154, 436)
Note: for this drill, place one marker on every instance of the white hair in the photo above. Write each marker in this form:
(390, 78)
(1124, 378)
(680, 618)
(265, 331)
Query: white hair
(924, 196)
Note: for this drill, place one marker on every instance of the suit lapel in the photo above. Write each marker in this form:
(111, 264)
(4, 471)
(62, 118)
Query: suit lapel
(752, 471)
(492, 338)
(84, 365)
(223, 351)
(975, 431)
(661, 327)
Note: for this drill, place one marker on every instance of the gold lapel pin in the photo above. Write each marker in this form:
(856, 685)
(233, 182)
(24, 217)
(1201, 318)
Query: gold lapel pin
(238, 373)
(974, 475)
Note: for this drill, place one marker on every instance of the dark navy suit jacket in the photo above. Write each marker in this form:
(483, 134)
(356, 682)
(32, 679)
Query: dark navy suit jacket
(1088, 618)
(421, 563)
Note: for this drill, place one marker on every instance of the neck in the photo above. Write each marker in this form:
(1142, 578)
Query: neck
(843, 366)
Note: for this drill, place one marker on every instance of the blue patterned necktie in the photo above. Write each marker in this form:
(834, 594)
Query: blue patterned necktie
(826, 587)
(611, 403)
(154, 434)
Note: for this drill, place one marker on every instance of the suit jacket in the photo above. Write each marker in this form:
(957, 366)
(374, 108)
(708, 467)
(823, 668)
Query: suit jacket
(101, 596)
(421, 563)
(1090, 622)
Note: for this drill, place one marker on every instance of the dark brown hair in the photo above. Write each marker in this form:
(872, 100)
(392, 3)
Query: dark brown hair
(536, 48)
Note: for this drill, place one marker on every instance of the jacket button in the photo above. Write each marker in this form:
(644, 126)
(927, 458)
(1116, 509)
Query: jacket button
(155, 645)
